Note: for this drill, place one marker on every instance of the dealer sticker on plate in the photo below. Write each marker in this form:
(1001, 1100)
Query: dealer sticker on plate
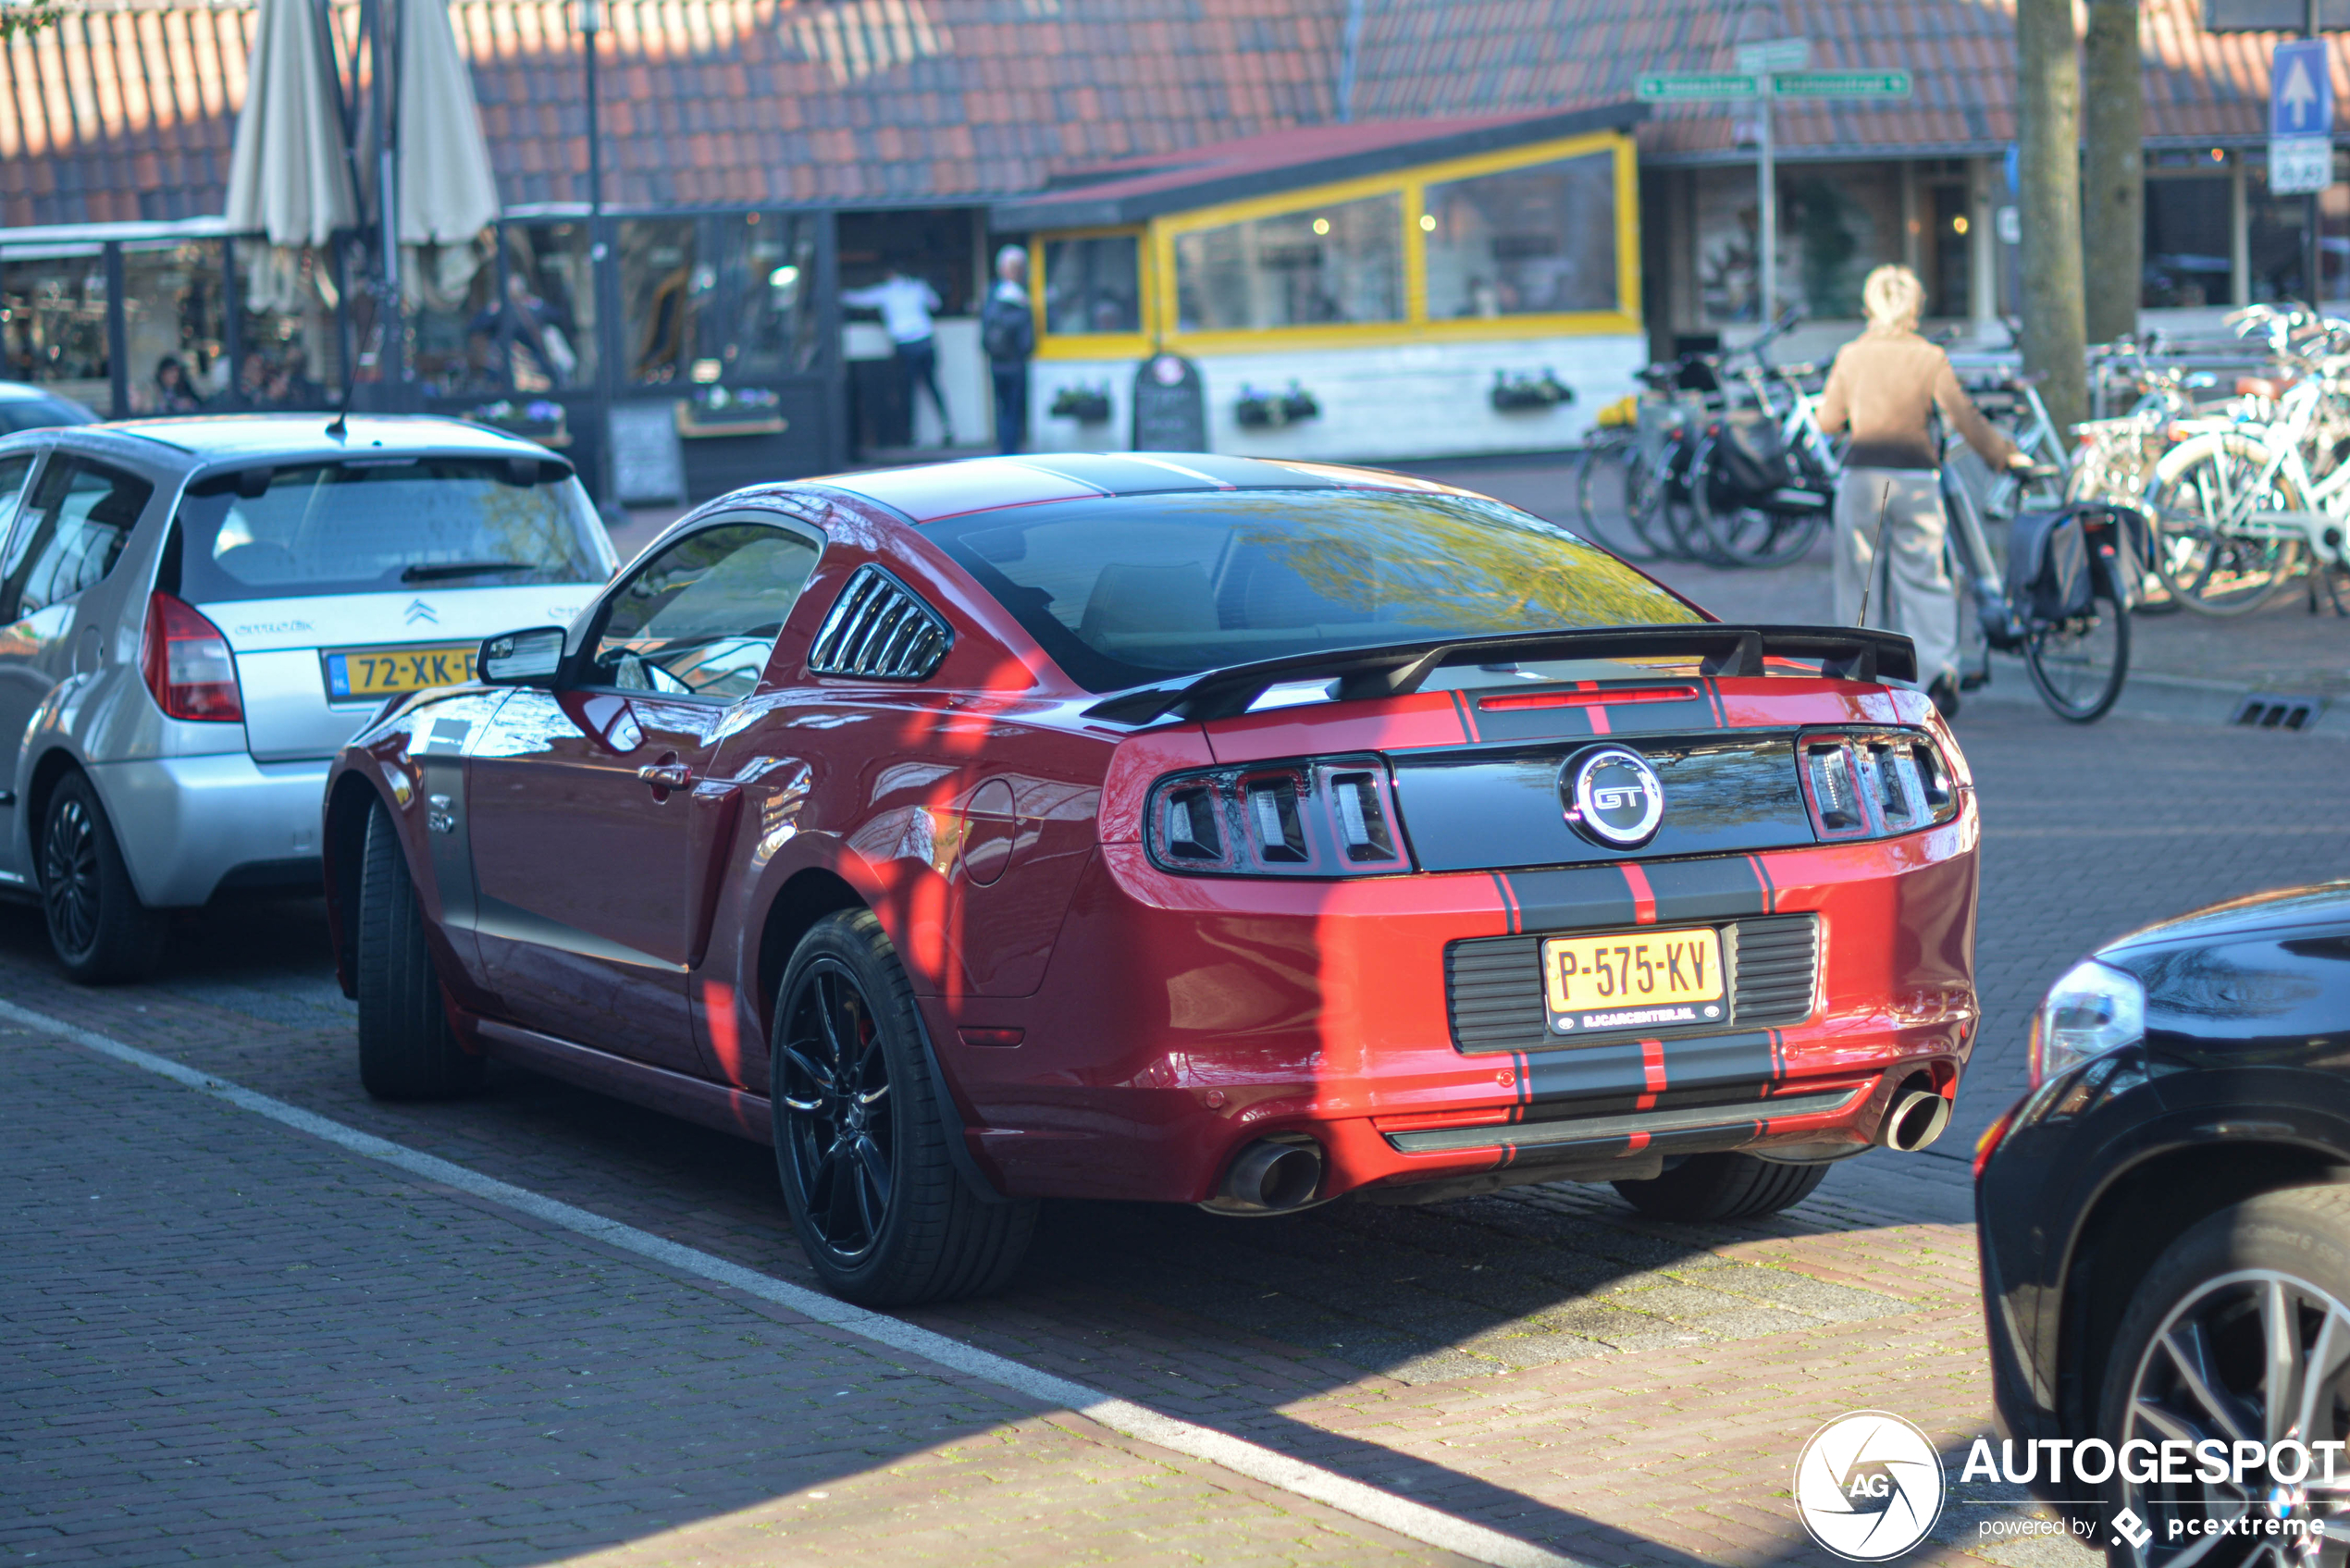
(1633, 979)
(386, 672)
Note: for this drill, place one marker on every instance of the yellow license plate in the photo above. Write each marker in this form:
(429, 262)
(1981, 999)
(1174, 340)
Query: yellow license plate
(387, 672)
(1634, 979)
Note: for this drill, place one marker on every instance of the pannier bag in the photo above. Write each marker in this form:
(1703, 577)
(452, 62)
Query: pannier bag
(1749, 462)
(2058, 560)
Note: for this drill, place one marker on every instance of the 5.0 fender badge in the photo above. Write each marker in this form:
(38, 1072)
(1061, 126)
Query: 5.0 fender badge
(1613, 796)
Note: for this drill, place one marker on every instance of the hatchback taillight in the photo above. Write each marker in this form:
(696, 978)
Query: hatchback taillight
(187, 665)
(1872, 783)
(1314, 817)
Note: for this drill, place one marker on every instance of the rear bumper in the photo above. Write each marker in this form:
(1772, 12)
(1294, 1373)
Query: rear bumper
(1184, 1019)
(189, 824)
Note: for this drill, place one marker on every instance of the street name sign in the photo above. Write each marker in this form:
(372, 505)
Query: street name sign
(1775, 54)
(1683, 87)
(1841, 85)
(2300, 118)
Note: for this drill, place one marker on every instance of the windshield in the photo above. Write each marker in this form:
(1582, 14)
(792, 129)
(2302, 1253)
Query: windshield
(1130, 589)
(343, 527)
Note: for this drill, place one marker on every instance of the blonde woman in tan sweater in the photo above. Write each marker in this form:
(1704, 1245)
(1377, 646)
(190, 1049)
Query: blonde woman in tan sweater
(1885, 383)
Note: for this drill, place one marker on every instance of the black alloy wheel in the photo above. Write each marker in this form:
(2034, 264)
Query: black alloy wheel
(2239, 1332)
(98, 928)
(833, 1100)
(865, 1140)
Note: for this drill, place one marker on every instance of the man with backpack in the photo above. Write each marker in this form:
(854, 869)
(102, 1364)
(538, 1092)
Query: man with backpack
(1008, 332)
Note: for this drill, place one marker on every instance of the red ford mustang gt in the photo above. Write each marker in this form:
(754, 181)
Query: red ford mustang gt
(1179, 828)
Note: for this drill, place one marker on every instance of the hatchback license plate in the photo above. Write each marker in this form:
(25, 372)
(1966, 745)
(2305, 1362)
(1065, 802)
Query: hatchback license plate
(1633, 979)
(388, 671)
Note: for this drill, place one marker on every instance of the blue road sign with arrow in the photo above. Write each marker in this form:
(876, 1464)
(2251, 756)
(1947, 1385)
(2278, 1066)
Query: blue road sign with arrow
(2300, 90)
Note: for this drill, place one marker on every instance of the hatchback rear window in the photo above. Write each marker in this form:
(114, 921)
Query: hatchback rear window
(353, 527)
(1130, 589)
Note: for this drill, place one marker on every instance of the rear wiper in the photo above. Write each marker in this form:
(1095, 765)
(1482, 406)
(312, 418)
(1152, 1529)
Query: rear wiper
(462, 569)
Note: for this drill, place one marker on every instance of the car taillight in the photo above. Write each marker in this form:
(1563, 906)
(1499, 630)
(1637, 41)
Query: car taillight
(1872, 783)
(1314, 817)
(187, 665)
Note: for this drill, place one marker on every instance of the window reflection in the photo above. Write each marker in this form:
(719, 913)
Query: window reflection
(1092, 286)
(286, 332)
(1343, 262)
(661, 288)
(453, 318)
(1523, 241)
(547, 327)
(175, 325)
(705, 300)
(52, 325)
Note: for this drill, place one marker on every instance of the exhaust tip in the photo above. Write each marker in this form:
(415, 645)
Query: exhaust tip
(1917, 1119)
(1271, 1176)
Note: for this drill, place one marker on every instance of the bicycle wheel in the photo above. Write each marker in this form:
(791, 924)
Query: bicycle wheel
(1604, 482)
(2208, 567)
(2078, 664)
(1692, 528)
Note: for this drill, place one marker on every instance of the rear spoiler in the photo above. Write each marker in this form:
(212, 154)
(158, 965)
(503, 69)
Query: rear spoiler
(1393, 669)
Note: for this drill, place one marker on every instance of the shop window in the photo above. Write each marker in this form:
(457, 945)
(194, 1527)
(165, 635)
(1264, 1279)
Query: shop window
(662, 287)
(1339, 263)
(452, 293)
(547, 332)
(1092, 286)
(175, 326)
(1525, 241)
(2186, 243)
(286, 332)
(53, 326)
(766, 288)
(2276, 242)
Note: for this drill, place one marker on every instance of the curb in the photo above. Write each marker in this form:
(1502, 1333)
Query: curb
(2175, 699)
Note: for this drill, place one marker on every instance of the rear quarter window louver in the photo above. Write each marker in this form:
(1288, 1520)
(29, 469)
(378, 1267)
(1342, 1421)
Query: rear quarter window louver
(880, 628)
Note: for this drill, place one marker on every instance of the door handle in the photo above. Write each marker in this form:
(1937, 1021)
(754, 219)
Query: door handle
(666, 775)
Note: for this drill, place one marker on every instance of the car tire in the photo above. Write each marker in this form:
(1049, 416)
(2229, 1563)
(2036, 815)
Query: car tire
(881, 1212)
(100, 931)
(2208, 1290)
(1710, 1187)
(408, 1049)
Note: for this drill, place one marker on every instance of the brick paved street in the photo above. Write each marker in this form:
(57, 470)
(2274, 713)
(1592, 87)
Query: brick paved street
(250, 1347)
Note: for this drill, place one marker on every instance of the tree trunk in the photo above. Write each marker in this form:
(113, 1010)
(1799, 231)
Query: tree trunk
(2048, 151)
(2114, 198)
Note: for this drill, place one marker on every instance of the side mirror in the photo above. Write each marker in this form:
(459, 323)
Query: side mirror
(521, 658)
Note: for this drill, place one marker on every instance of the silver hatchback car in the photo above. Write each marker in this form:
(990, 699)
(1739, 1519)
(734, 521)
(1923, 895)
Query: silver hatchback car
(196, 613)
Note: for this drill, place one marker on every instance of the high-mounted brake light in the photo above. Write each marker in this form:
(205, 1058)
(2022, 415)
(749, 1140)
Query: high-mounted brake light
(187, 665)
(1872, 783)
(1314, 817)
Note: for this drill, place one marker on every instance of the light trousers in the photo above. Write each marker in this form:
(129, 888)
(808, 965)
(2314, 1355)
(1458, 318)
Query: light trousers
(1911, 592)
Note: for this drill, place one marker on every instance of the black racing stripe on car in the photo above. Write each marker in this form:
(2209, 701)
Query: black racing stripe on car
(1467, 715)
(1508, 1157)
(1570, 898)
(1763, 881)
(1509, 902)
(1712, 1061)
(1716, 889)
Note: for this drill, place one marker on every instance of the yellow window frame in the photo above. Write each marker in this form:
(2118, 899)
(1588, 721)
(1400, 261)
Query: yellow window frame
(1093, 345)
(1161, 319)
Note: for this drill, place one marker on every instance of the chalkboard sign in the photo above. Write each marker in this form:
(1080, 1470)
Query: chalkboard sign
(1170, 406)
(648, 461)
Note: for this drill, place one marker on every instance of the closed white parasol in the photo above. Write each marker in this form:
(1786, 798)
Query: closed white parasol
(290, 173)
(446, 192)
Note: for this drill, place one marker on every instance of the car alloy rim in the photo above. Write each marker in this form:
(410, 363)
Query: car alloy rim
(69, 876)
(2254, 1355)
(835, 1090)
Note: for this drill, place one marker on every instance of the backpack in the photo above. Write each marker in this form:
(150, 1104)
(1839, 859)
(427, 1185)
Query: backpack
(1007, 330)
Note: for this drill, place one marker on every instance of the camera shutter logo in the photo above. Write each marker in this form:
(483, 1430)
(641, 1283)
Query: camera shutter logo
(1613, 796)
(1869, 1485)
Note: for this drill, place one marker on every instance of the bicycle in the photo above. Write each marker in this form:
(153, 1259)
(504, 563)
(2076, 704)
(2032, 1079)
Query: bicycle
(2076, 645)
(1781, 524)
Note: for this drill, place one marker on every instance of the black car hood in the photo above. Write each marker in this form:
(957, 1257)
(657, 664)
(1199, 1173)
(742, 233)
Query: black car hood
(2257, 979)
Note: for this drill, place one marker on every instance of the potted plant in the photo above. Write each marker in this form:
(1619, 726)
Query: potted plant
(1087, 405)
(1262, 411)
(537, 420)
(716, 409)
(1518, 393)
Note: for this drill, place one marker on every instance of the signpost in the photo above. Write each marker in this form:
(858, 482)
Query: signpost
(1768, 71)
(2300, 119)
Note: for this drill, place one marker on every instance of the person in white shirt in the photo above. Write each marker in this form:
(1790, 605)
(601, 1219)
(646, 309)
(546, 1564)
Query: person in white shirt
(907, 304)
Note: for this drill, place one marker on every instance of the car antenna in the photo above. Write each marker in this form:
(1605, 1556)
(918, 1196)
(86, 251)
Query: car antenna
(340, 428)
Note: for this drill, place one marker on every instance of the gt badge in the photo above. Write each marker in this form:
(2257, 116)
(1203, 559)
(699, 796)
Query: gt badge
(1613, 796)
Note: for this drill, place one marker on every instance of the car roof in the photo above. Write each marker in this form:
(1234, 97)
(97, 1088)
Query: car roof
(234, 437)
(933, 491)
(26, 392)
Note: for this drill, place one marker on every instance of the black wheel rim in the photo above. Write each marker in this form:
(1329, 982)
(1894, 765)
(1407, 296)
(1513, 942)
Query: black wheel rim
(69, 876)
(2255, 1356)
(833, 1090)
